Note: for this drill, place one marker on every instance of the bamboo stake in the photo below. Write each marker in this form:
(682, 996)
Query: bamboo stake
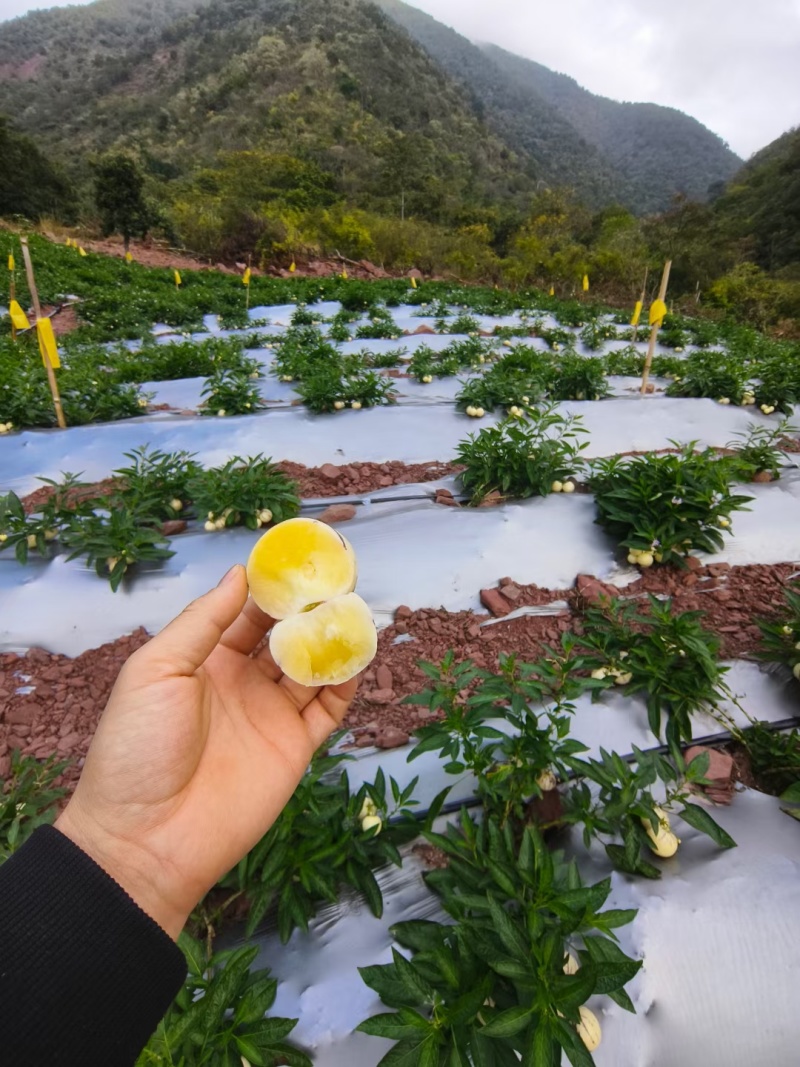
(641, 299)
(12, 295)
(37, 310)
(662, 292)
(247, 287)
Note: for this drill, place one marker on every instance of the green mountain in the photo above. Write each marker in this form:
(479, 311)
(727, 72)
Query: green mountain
(760, 207)
(640, 154)
(333, 83)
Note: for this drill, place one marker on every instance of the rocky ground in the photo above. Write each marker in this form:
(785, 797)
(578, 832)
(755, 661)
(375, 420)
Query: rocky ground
(50, 703)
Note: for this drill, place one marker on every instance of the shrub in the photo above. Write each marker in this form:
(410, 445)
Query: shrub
(28, 799)
(333, 388)
(711, 374)
(231, 392)
(578, 378)
(663, 506)
(522, 457)
(240, 491)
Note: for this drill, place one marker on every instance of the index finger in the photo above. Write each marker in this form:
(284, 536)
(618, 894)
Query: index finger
(247, 631)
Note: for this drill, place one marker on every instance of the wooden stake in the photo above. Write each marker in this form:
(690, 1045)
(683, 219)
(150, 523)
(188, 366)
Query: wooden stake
(642, 299)
(247, 287)
(37, 310)
(12, 295)
(662, 292)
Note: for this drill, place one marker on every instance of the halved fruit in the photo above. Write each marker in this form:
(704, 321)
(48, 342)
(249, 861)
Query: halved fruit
(298, 564)
(327, 645)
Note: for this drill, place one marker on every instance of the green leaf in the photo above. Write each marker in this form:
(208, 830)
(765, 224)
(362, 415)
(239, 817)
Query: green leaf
(508, 1023)
(411, 1054)
(700, 819)
(792, 794)
(543, 1050)
(577, 1053)
(396, 1027)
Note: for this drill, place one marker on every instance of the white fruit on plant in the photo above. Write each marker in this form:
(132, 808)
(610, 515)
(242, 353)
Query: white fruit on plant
(589, 1028)
(557, 487)
(622, 678)
(176, 505)
(31, 540)
(221, 413)
(327, 645)
(470, 411)
(599, 674)
(372, 822)
(723, 400)
(571, 966)
(210, 527)
(297, 565)
(479, 413)
(547, 781)
(427, 379)
(796, 671)
(50, 535)
(265, 515)
(646, 559)
(338, 405)
(369, 807)
(356, 405)
(767, 409)
(526, 400)
(3, 538)
(724, 523)
(220, 524)
(569, 487)
(633, 558)
(515, 412)
(662, 841)
(111, 562)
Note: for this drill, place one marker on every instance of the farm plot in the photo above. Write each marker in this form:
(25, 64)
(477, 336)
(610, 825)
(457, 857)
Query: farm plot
(581, 572)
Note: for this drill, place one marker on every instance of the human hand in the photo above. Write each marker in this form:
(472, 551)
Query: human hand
(197, 752)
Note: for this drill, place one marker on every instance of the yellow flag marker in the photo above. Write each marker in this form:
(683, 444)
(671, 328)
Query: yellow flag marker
(11, 265)
(47, 343)
(177, 279)
(19, 320)
(413, 283)
(344, 273)
(68, 242)
(658, 309)
(637, 313)
(293, 267)
(128, 257)
(586, 283)
(246, 277)
(82, 251)
(552, 290)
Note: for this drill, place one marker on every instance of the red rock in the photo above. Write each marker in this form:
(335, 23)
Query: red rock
(505, 581)
(338, 513)
(401, 627)
(495, 602)
(386, 480)
(329, 471)
(512, 592)
(391, 737)
(23, 714)
(5, 766)
(762, 476)
(446, 500)
(474, 630)
(718, 569)
(693, 563)
(380, 696)
(174, 527)
(364, 741)
(383, 677)
(593, 590)
(67, 745)
(422, 330)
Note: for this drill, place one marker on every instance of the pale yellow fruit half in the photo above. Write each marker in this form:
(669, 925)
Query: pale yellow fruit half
(328, 645)
(589, 1029)
(298, 564)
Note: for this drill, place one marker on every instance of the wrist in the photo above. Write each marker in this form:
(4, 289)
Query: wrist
(132, 868)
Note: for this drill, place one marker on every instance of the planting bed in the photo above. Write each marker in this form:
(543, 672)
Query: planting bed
(514, 578)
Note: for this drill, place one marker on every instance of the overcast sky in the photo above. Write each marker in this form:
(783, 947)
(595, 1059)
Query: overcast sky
(732, 64)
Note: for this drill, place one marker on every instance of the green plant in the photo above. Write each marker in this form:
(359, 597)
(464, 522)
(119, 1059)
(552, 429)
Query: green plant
(156, 484)
(509, 979)
(628, 361)
(501, 386)
(777, 386)
(522, 457)
(665, 655)
(380, 325)
(596, 333)
(334, 388)
(114, 542)
(467, 324)
(220, 1016)
(28, 799)
(231, 392)
(660, 507)
(715, 375)
(241, 492)
(577, 377)
(774, 760)
(758, 451)
(320, 842)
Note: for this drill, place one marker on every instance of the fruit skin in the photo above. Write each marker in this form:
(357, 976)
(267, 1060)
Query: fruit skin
(339, 405)
(571, 966)
(328, 645)
(646, 559)
(372, 822)
(589, 1028)
(356, 405)
(569, 487)
(299, 563)
(547, 781)
(663, 841)
(557, 487)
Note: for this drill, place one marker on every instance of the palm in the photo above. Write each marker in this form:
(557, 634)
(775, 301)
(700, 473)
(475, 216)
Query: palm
(194, 766)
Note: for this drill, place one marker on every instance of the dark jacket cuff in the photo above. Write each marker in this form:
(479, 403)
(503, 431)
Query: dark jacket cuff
(85, 974)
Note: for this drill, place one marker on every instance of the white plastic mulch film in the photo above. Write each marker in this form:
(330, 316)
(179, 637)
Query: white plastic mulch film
(717, 933)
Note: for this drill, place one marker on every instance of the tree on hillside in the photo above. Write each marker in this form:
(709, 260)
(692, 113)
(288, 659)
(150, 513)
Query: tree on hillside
(29, 184)
(119, 196)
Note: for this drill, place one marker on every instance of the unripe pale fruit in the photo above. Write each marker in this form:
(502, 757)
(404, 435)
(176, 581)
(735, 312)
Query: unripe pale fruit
(176, 505)
(368, 808)
(297, 565)
(569, 487)
(589, 1028)
(356, 405)
(328, 645)
(31, 540)
(646, 559)
(210, 526)
(427, 379)
(479, 413)
(796, 671)
(339, 405)
(663, 841)
(633, 558)
(571, 966)
(557, 487)
(723, 400)
(547, 781)
(371, 822)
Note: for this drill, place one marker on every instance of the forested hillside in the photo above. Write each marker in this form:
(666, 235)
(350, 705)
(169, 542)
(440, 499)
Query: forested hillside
(639, 154)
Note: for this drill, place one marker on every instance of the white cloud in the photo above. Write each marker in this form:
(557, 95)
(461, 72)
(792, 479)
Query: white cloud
(732, 64)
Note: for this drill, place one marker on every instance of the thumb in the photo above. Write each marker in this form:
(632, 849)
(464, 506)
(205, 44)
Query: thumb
(187, 642)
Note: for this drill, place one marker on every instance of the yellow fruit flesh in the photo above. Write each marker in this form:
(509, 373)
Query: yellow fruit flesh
(328, 645)
(297, 564)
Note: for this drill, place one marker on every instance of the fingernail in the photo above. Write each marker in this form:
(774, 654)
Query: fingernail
(230, 575)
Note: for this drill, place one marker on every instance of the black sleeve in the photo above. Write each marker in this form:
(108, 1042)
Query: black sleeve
(85, 974)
